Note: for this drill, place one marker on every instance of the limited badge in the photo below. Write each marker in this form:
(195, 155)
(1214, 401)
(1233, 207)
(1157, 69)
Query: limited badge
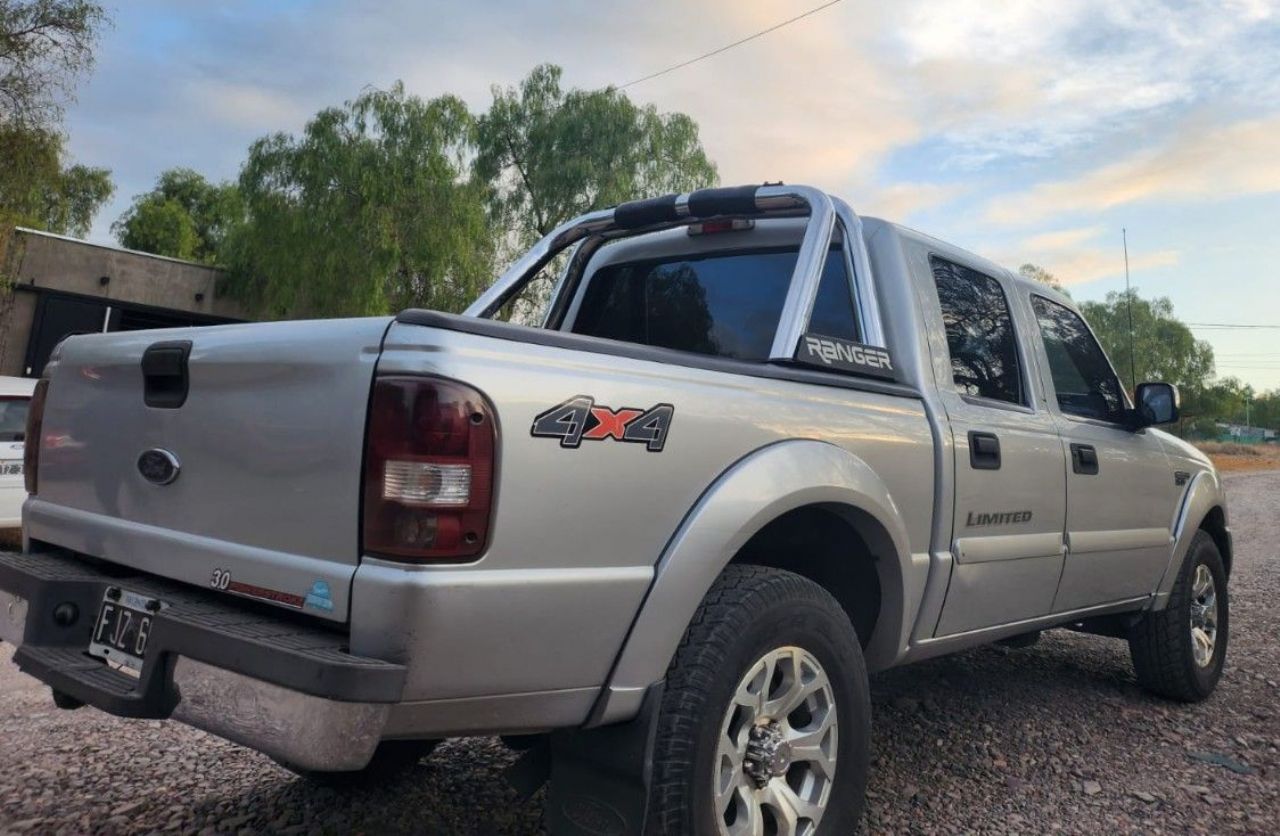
(579, 419)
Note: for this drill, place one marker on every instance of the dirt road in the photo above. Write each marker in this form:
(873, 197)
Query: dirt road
(1057, 737)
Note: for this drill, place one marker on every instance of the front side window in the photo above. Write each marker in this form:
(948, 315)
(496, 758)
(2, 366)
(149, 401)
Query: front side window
(725, 304)
(1085, 384)
(980, 336)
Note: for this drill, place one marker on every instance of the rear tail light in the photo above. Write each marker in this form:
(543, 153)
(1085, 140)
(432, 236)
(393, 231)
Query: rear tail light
(428, 477)
(35, 426)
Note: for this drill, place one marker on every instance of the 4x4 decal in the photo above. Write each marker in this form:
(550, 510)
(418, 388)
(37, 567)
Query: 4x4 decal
(579, 419)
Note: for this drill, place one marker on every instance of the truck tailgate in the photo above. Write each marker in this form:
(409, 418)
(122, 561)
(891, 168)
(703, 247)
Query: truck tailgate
(268, 443)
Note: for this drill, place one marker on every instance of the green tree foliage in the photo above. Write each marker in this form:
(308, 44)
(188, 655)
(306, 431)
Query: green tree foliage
(371, 209)
(551, 154)
(38, 190)
(161, 226)
(184, 216)
(391, 201)
(1163, 347)
(44, 46)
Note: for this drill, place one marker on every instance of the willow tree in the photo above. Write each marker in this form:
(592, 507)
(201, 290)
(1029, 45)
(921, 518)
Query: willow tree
(45, 47)
(38, 188)
(1159, 347)
(551, 154)
(372, 209)
(184, 216)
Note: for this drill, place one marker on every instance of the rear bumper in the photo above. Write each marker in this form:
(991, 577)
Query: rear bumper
(252, 675)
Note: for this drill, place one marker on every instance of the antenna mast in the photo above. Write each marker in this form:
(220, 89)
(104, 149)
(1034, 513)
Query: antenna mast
(1128, 294)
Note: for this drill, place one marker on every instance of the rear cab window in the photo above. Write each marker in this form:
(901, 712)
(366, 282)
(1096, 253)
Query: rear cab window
(981, 340)
(723, 304)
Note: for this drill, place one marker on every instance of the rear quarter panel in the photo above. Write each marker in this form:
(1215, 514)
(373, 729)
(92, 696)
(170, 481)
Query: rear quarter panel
(577, 532)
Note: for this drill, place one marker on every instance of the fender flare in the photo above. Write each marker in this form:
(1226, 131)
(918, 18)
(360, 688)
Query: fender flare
(1203, 495)
(751, 493)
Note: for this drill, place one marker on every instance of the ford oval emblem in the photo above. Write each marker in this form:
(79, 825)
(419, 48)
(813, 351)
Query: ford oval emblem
(159, 467)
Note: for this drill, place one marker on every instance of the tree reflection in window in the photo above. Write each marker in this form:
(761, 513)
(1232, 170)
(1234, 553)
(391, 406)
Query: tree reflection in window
(1082, 378)
(722, 303)
(980, 336)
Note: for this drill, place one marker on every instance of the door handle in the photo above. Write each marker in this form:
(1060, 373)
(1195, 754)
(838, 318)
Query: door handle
(1084, 459)
(984, 451)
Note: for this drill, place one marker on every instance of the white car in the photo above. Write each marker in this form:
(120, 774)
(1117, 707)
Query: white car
(15, 396)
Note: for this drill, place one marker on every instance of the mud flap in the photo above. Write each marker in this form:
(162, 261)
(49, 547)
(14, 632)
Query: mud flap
(600, 778)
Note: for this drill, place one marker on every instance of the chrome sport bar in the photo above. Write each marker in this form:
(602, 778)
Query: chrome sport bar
(655, 214)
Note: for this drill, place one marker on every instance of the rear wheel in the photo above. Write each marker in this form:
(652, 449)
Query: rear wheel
(765, 721)
(1178, 652)
(390, 758)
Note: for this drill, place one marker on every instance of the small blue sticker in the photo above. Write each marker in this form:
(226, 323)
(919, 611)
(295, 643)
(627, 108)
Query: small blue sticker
(319, 596)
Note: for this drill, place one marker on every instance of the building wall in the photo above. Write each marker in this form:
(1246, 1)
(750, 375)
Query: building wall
(53, 262)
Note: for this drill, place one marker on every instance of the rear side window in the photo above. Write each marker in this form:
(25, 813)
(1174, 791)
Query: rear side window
(724, 304)
(13, 418)
(980, 336)
(1082, 378)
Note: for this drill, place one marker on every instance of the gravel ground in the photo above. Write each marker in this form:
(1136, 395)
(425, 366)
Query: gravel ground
(1057, 737)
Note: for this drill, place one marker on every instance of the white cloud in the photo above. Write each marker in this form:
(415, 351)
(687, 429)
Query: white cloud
(1205, 161)
(1084, 254)
(1030, 79)
(837, 99)
(248, 106)
(1061, 239)
(898, 202)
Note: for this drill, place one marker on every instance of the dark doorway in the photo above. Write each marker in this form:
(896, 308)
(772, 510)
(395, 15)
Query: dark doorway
(60, 315)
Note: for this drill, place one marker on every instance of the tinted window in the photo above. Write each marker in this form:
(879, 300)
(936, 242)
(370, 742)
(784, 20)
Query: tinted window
(726, 304)
(13, 418)
(980, 336)
(1082, 377)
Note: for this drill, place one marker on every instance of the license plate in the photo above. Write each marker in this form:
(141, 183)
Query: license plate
(10, 468)
(123, 627)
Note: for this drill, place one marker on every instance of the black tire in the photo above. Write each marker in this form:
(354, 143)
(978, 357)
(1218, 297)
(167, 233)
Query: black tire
(1161, 642)
(749, 612)
(390, 758)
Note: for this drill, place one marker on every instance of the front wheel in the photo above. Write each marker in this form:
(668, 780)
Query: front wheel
(1178, 652)
(765, 720)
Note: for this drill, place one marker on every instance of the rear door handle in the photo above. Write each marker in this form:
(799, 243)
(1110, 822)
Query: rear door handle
(984, 451)
(1084, 459)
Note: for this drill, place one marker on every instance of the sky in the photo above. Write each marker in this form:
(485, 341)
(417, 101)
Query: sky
(1024, 131)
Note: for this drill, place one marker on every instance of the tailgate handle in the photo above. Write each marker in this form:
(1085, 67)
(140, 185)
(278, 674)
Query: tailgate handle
(164, 374)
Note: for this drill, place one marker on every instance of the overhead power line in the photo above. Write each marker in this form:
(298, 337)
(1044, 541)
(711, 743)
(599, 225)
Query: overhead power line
(1227, 325)
(728, 47)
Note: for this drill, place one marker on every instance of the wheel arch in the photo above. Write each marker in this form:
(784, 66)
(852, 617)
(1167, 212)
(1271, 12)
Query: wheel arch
(755, 504)
(1204, 508)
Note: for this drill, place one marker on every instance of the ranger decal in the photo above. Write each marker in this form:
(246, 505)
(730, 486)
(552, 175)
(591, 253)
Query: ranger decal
(580, 419)
(845, 355)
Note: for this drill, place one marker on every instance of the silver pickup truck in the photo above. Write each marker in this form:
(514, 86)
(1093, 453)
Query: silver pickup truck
(749, 448)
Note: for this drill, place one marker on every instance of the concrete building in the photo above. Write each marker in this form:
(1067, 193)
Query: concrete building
(52, 286)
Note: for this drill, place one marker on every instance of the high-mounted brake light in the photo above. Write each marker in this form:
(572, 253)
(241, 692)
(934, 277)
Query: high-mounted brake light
(35, 426)
(725, 225)
(428, 479)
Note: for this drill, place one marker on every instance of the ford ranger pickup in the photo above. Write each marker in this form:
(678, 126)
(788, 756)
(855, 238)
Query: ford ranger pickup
(653, 508)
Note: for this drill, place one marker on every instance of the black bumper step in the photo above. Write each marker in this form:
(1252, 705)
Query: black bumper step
(238, 636)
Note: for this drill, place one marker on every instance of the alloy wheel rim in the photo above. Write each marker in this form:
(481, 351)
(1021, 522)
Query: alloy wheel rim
(1204, 617)
(776, 754)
